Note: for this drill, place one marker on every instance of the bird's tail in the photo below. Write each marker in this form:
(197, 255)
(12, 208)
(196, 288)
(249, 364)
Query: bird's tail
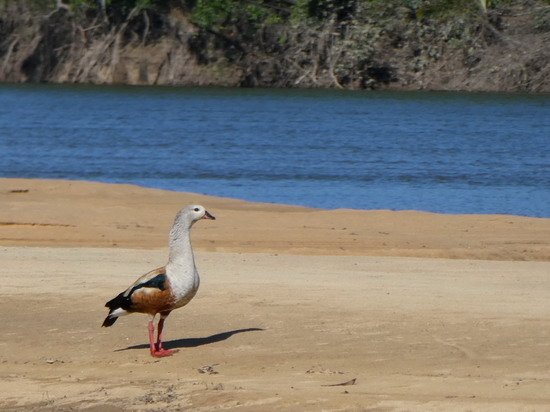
(109, 320)
(117, 307)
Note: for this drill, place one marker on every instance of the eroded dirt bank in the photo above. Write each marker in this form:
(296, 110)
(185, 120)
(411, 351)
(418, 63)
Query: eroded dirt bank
(396, 48)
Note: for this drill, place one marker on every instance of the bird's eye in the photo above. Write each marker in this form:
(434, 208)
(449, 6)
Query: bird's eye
(196, 209)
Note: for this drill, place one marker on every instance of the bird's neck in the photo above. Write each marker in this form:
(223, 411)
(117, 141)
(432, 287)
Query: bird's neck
(181, 252)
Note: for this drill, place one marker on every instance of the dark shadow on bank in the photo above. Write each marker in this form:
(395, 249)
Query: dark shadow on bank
(194, 342)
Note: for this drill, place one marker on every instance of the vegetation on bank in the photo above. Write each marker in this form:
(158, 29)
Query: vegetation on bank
(212, 12)
(225, 15)
(220, 15)
(281, 43)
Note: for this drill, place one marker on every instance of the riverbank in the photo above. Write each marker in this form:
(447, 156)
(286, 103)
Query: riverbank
(76, 213)
(298, 308)
(399, 45)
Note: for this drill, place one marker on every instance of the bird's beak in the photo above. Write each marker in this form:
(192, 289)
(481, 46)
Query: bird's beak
(208, 216)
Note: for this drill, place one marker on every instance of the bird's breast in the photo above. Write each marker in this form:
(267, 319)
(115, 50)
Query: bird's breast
(183, 287)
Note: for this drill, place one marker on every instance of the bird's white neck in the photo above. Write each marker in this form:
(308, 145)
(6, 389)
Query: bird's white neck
(181, 252)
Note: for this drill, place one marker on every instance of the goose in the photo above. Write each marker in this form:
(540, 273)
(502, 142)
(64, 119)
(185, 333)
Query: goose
(162, 290)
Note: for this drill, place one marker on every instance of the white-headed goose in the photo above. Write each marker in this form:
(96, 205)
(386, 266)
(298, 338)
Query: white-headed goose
(167, 288)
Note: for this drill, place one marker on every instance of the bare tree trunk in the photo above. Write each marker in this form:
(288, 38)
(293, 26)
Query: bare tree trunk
(7, 58)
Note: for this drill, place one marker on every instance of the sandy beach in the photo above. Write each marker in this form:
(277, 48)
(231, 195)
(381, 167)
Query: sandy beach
(415, 311)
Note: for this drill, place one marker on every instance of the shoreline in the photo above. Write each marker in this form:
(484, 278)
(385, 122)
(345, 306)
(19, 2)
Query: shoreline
(258, 89)
(275, 204)
(67, 213)
(293, 303)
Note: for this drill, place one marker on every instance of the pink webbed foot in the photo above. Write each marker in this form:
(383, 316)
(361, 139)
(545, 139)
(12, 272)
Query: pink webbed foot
(161, 353)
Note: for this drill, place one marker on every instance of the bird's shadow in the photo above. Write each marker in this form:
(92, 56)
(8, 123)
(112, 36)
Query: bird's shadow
(194, 342)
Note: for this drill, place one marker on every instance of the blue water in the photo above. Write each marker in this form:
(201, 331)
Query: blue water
(441, 152)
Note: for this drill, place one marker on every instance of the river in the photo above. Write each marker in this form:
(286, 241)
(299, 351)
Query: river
(431, 151)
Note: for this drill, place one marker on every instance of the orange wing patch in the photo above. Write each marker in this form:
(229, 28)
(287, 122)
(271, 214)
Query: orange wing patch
(152, 300)
(151, 293)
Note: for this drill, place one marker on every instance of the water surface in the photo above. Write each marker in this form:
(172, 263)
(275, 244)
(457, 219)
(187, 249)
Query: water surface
(441, 152)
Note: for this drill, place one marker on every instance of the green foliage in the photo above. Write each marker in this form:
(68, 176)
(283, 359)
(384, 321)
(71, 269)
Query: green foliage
(255, 12)
(450, 8)
(144, 4)
(209, 13)
(74, 4)
(217, 14)
(300, 11)
(121, 5)
(127, 5)
(37, 5)
(425, 9)
(220, 14)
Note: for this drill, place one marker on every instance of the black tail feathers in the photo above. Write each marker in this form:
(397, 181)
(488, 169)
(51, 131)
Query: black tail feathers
(119, 302)
(109, 320)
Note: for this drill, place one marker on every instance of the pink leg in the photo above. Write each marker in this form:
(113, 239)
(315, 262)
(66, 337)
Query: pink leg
(156, 348)
(151, 328)
(159, 335)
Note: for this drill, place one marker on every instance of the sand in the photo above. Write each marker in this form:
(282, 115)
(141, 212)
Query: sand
(68, 213)
(420, 311)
